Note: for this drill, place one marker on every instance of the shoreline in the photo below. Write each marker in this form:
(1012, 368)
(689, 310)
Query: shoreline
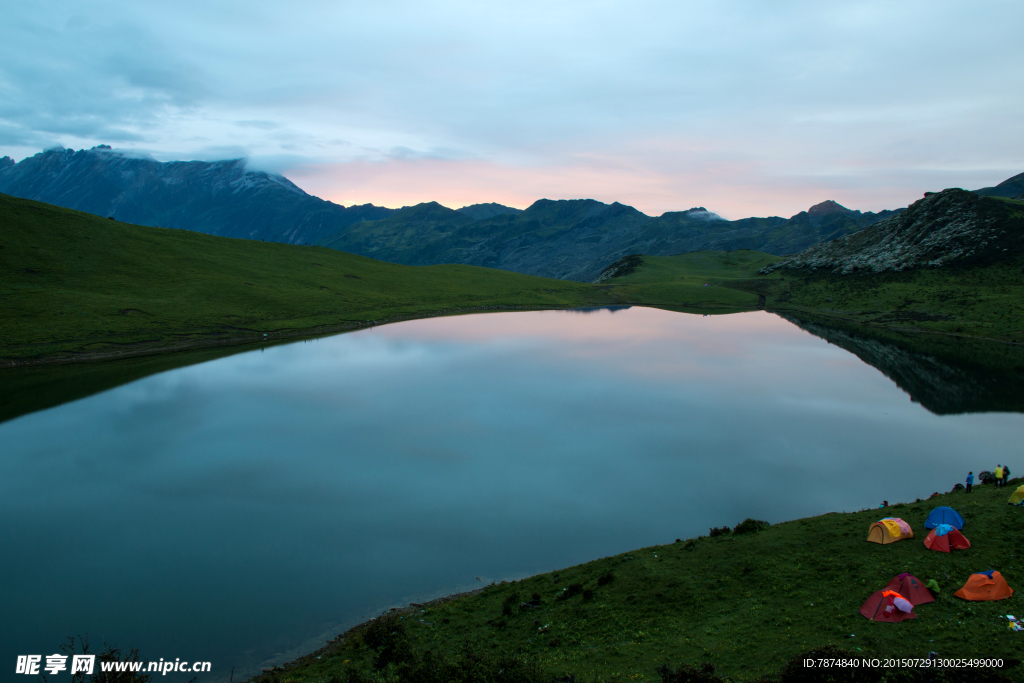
(147, 349)
(255, 338)
(623, 628)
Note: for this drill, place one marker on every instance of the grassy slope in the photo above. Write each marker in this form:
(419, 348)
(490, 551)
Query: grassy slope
(985, 303)
(744, 603)
(678, 281)
(73, 283)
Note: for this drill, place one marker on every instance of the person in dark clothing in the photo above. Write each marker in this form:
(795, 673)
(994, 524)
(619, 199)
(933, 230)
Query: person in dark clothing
(970, 481)
(1006, 475)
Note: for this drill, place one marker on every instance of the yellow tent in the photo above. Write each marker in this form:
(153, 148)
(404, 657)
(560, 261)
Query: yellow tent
(888, 531)
(1017, 496)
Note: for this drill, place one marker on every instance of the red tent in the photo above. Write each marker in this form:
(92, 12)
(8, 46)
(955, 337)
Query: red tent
(884, 605)
(953, 540)
(911, 588)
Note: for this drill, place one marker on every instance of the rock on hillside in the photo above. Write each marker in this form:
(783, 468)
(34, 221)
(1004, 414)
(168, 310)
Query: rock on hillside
(952, 226)
(220, 198)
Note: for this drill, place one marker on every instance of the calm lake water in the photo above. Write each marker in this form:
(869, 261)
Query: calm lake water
(244, 510)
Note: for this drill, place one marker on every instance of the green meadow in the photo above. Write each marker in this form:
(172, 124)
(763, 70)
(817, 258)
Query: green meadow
(980, 303)
(76, 286)
(744, 602)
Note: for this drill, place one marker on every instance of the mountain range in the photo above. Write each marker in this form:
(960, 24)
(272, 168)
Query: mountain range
(569, 239)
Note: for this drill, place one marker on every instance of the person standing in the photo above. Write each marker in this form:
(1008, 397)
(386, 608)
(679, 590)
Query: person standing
(1006, 475)
(970, 481)
(999, 475)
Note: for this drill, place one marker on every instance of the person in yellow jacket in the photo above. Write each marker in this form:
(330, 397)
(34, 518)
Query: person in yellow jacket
(999, 475)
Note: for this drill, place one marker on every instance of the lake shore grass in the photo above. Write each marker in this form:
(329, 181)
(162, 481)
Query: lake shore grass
(76, 287)
(744, 602)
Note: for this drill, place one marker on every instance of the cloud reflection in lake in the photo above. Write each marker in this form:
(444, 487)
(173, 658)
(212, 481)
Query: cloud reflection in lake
(243, 508)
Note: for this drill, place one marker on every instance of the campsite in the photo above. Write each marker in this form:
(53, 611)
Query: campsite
(745, 603)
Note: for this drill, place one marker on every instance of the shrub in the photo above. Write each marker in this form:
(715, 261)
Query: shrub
(719, 531)
(750, 526)
(571, 590)
(510, 603)
(387, 635)
(986, 477)
(605, 579)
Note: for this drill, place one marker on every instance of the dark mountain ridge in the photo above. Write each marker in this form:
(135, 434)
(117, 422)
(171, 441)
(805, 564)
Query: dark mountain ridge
(569, 239)
(574, 239)
(219, 198)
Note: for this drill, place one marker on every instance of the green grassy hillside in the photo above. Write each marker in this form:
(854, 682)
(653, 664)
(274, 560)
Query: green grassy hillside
(985, 303)
(981, 302)
(75, 285)
(700, 281)
(746, 603)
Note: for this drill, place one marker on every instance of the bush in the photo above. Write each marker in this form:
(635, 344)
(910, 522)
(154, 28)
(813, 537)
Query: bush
(986, 477)
(751, 526)
(387, 635)
(571, 590)
(719, 531)
(605, 579)
(510, 603)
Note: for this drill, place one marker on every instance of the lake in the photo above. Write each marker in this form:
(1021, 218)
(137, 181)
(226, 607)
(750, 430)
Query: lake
(246, 509)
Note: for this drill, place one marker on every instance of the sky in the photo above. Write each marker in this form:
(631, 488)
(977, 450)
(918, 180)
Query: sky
(744, 107)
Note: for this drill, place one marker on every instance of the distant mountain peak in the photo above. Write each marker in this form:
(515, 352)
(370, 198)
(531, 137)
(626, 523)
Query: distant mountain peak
(700, 212)
(488, 210)
(826, 207)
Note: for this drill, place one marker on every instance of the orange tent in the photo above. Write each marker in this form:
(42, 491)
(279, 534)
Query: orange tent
(889, 530)
(988, 585)
(951, 540)
(887, 605)
(911, 588)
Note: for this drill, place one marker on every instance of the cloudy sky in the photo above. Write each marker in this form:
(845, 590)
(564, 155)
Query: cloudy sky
(746, 107)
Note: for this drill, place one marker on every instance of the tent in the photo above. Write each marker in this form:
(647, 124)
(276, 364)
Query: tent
(944, 515)
(889, 530)
(945, 538)
(1017, 496)
(911, 588)
(988, 585)
(887, 605)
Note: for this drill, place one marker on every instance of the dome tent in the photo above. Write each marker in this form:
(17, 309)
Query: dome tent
(889, 530)
(1017, 497)
(911, 588)
(887, 605)
(945, 538)
(988, 585)
(944, 515)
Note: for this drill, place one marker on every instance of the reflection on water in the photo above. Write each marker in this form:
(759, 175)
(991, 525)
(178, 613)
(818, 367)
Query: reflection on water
(242, 510)
(946, 376)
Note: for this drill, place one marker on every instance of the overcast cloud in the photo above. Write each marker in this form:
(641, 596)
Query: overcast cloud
(747, 107)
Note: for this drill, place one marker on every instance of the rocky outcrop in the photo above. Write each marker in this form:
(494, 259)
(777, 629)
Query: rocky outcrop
(624, 266)
(952, 226)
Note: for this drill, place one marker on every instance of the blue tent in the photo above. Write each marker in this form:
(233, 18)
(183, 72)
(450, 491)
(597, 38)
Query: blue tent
(944, 515)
